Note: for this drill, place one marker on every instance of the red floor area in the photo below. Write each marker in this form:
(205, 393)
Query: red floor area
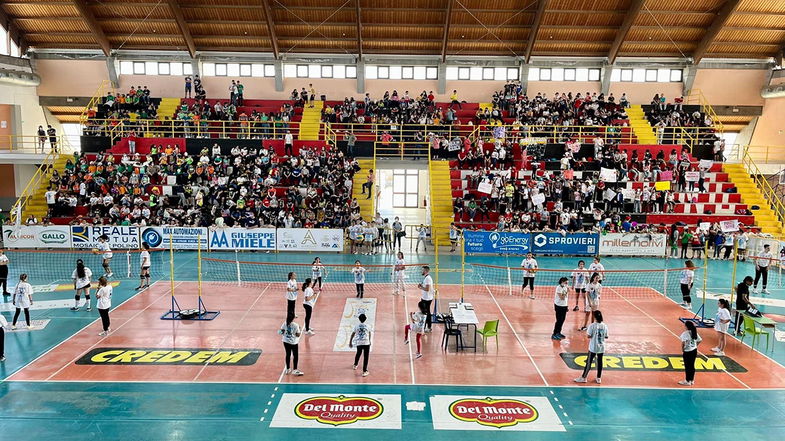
(645, 324)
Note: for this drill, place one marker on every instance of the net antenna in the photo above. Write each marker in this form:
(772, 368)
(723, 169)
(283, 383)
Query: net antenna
(201, 312)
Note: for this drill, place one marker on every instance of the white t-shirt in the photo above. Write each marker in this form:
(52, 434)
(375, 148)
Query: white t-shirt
(593, 292)
(291, 290)
(309, 293)
(580, 278)
(105, 297)
(359, 275)
(597, 268)
(597, 333)
(290, 333)
(418, 325)
(288, 138)
(722, 314)
(4, 259)
(427, 294)
(687, 276)
(144, 259)
(50, 197)
(316, 271)
(22, 295)
(560, 296)
(400, 263)
(687, 343)
(527, 265)
(104, 248)
(82, 282)
(764, 259)
(362, 334)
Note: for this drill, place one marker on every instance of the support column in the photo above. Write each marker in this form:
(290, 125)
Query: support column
(441, 87)
(278, 64)
(111, 68)
(523, 76)
(688, 78)
(360, 77)
(605, 78)
(195, 64)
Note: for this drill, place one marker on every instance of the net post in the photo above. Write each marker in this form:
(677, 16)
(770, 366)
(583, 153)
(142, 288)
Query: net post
(665, 281)
(735, 262)
(199, 268)
(128, 262)
(705, 271)
(171, 270)
(463, 265)
(509, 277)
(237, 263)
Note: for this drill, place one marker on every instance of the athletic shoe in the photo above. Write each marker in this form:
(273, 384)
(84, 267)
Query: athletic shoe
(575, 308)
(582, 328)
(30, 327)
(755, 290)
(685, 383)
(13, 327)
(297, 373)
(580, 380)
(406, 342)
(766, 291)
(715, 349)
(287, 371)
(89, 308)
(555, 337)
(365, 374)
(532, 297)
(109, 276)
(102, 333)
(560, 335)
(138, 288)
(2, 358)
(598, 380)
(719, 353)
(683, 304)
(354, 367)
(310, 332)
(74, 308)
(418, 356)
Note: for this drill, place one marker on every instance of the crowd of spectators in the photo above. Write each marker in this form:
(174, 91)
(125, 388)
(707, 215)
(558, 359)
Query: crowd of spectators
(247, 187)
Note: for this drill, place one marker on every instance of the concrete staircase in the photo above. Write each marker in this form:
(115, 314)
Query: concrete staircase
(441, 201)
(311, 124)
(36, 205)
(751, 195)
(167, 108)
(640, 126)
(366, 205)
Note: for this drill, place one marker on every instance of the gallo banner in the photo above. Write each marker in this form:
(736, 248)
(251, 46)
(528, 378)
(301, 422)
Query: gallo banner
(24, 236)
(577, 244)
(182, 238)
(496, 242)
(309, 239)
(120, 237)
(261, 239)
(633, 244)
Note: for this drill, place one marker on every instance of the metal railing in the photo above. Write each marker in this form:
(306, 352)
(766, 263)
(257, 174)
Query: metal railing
(103, 90)
(761, 154)
(33, 144)
(401, 150)
(41, 175)
(763, 184)
(695, 96)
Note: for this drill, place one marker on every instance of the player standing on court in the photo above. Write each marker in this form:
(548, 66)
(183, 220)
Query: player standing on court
(106, 254)
(4, 273)
(598, 333)
(144, 273)
(593, 292)
(560, 306)
(81, 277)
(104, 296)
(291, 294)
(309, 301)
(762, 263)
(529, 265)
(23, 300)
(317, 273)
(418, 327)
(599, 268)
(361, 338)
(685, 280)
(359, 279)
(427, 294)
(399, 275)
(580, 277)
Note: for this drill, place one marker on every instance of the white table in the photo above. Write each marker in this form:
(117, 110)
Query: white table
(463, 315)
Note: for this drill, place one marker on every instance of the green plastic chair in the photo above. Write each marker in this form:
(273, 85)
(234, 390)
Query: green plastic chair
(491, 329)
(754, 331)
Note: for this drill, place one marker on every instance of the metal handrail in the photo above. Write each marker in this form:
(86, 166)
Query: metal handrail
(763, 184)
(95, 100)
(30, 143)
(32, 186)
(696, 95)
(173, 128)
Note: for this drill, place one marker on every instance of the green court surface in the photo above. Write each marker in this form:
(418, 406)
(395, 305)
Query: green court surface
(243, 411)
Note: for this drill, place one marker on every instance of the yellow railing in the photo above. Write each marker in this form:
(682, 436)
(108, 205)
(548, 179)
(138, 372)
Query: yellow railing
(41, 175)
(32, 144)
(695, 96)
(761, 154)
(103, 89)
(763, 184)
(401, 150)
(152, 128)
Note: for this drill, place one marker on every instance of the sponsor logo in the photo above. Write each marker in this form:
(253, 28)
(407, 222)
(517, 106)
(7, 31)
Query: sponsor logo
(634, 242)
(493, 412)
(15, 236)
(53, 236)
(540, 240)
(147, 356)
(243, 240)
(339, 410)
(508, 241)
(654, 362)
(152, 237)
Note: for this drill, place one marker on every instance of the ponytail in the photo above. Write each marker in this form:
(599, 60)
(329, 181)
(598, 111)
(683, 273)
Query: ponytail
(307, 283)
(691, 327)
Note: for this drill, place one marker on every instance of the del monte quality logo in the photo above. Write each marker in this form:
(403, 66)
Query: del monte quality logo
(491, 412)
(339, 410)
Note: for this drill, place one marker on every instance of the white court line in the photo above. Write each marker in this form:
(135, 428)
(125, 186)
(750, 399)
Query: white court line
(167, 293)
(235, 327)
(668, 329)
(517, 337)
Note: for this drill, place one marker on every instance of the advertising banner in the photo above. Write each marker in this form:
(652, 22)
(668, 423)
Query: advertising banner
(181, 238)
(261, 239)
(494, 414)
(309, 239)
(120, 237)
(338, 411)
(496, 242)
(633, 244)
(23, 236)
(578, 244)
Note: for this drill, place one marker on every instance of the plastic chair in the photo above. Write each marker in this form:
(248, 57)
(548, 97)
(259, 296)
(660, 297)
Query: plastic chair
(491, 329)
(450, 330)
(754, 331)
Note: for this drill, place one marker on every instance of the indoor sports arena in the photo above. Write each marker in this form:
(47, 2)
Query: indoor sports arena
(441, 219)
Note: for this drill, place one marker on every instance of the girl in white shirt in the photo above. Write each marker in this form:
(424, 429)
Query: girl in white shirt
(361, 338)
(317, 273)
(144, 261)
(81, 277)
(685, 280)
(721, 324)
(309, 301)
(22, 300)
(689, 347)
(592, 302)
(580, 278)
(529, 266)
(598, 333)
(104, 296)
(291, 294)
(599, 268)
(560, 305)
(290, 336)
(359, 278)
(106, 254)
(417, 326)
(399, 275)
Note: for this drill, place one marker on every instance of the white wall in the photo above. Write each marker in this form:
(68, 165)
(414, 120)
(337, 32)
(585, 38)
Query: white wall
(31, 114)
(22, 175)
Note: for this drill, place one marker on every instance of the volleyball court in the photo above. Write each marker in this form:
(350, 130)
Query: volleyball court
(638, 307)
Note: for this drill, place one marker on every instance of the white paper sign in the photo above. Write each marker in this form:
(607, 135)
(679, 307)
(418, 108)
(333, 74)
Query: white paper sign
(692, 176)
(705, 163)
(608, 174)
(538, 199)
(629, 193)
(705, 226)
(729, 226)
(485, 187)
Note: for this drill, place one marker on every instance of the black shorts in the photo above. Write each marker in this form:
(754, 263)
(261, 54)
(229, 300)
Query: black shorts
(84, 287)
